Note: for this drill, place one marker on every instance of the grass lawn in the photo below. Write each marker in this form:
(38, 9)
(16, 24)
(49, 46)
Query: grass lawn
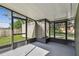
(17, 38)
(69, 35)
(7, 40)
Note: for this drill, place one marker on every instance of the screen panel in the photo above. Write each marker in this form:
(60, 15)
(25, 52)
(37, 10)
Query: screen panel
(19, 26)
(18, 38)
(18, 15)
(70, 29)
(19, 29)
(52, 29)
(60, 30)
(5, 29)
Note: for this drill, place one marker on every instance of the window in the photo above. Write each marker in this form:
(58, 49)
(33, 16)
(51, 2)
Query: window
(19, 29)
(19, 26)
(19, 38)
(11, 29)
(5, 27)
(60, 30)
(52, 29)
(70, 29)
(18, 15)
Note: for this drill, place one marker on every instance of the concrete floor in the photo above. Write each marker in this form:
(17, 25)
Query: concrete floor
(57, 49)
(26, 50)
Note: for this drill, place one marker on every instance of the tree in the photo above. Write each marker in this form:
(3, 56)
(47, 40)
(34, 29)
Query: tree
(18, 23)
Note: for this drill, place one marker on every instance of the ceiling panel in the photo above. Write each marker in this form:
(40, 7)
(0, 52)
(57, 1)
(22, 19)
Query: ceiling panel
(50, 11)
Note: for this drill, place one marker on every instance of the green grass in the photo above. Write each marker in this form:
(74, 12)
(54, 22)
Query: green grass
(57, 33)
(17, 38)
(7, 40)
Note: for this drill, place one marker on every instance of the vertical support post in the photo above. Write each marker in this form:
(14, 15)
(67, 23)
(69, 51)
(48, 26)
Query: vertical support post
(66, 30)
(54, 29)
(12, 30)
(26, 29)
(49, 29)
(45, 28)
(75, 28)
(36, 29)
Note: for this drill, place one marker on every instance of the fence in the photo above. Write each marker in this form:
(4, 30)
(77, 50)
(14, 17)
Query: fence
(7, 31)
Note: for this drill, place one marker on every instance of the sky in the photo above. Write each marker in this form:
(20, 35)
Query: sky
(4, 20)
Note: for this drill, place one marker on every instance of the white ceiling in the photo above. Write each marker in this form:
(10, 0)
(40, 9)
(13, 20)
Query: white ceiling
(50, 11)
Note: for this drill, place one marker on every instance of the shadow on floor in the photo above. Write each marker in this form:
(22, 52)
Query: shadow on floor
(57, 49)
